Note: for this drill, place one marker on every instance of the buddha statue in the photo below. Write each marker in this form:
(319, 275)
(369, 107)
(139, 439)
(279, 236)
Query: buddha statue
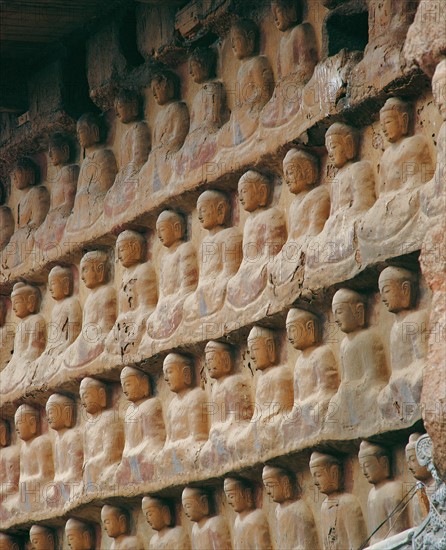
(264, 234)
(254, 85)
(160, 517)
(42, 538)
(219, 259)
(9, 470)
(134, 151)
(116, 523)
(79, 535)
(9, 542)
(6, 222)
(7, 332)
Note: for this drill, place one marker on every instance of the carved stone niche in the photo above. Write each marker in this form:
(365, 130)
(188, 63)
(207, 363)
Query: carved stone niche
(29, 339)
(406, 165)
(342, 523)
(30, 213)
(295, 61)
(103, 434)
(9, 542)
(209, 530)
(294, 522)
(42, 538)
(170, 130)
(9, 470)
(79, 535)
(250, 530)
(161, 518)
(6, 335)
(385, 495)
(97, 174)
(254, 84)
(116, 523)
(134, 151)
(264, 234)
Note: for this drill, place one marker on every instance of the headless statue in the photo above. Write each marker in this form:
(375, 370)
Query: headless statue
(161, 519)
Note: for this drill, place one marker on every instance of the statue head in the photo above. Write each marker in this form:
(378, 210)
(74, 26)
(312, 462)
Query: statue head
(8, 542)
(115, 520)
(300, 169)
(130, 248)
(127, 106)
(253, 190)
(60, 282)
(213, 209)
(374, 461)
(286, 13)
(27, 422)
(327, 472)
(219, 359)
(280, 485)
(157, 512)
(60, 411)
(93, 394)
(135, 384)
(394, 118)
(196, 503)
(262, 347)
(25, 173)
(239, 494)
(79, 535)
(202, 64)
(94, 268)
(341, 142)
(439, 87)
(178, 372)
(303, 328)
(25, 299)
(398, 288)
(348, 309)
(170, 227)
(59, 149)
(5, 434)
(89, 130)
(165, 86)
(420, 473)
(244, 38)
(42, 538)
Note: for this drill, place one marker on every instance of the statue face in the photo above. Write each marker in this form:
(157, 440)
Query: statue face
(85, 135)
(298, 175)
(193, 508)
(126, 112)
(166, 232)
(336, 150)
(21, 179)
(274, 488)
(344, 317)
(373, 469)
(439, 91)
(392, 295)
(58, 155)
(299, 334)
(132, 387)
(236, 497)
(162, 91)
(91, 399)
(197, 72)
(55, 413)
(174, 376)
(128, 252)
(21, 304)
(207, 213)
(392, 125)
(248, 195)
(241, 44)
(57, 286)
(25, 426)
(7, 543)
(284, 19)
(154, 516)
(90, 274)
(217, 363)
(323, 479)
(111, 523)
(40, 541)
(419, 472)
(75, 539)
(259, 352)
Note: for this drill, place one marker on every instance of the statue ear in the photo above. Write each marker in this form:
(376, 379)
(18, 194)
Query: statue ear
(205, 504)
(66, 150)
(68, 415)
(221, 210)
(123, 523)
(33, 421)
(103, 397)
(405, 122)
(310, 329)
(263, 194)
(66, 286)
(349, 145)
(178, 230)
(31, 303)
(86, 537)
(406, 288)
(187, 374)
(385, 463)
(95, 132)
(167, 516)
(270, 346)
(360, 313)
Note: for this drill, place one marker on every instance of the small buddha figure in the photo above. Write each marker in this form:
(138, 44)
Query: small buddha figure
(408, 340)
(207, 112)
(79, 535)
(68, 448)
(97, 174)
(295, 527)
(62, 180)
(422, 474)
(30, 336)
(9, 542)
(363, 365)
(405, 166)
(7, 331)
(36, 455)
(6, 221)
(30, 213)
(185, 422)
(161, 519)
(66, 316)
(255, 82)
(308, 213)
(316, 377)
(220, 256)
(296, 59)
(9, 469)
(42, 538)
(264, 234)
(352, 193)
(143, 426)
(134, 151)
(99, 310)
(433, 193)
(116, 524)
(170, 130)
(342, 523)
(209, 530)
(177, 275)
(251, 530)
(103, 433)
(385, 493)
(137, 295)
